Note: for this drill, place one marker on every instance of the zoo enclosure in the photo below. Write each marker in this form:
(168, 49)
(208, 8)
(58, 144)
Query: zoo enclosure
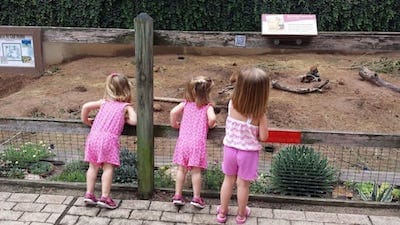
(360, 157)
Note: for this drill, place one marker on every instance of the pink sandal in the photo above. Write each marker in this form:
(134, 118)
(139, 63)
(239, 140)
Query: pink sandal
(242, 219)
(221, 217)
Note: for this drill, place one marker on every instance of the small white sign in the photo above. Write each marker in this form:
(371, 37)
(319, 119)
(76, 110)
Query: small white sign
(289, 24)
(16, 51)
(240, 40)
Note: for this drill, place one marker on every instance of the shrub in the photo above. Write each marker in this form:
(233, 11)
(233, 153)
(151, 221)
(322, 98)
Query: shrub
(41, 168)
(73, 172)
(163, 179)
(299, 170)
(373, 192)
(26, 154)
(127, 172)
(261, 185)
(213, 177)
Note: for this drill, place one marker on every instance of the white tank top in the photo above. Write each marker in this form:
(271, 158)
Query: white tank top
(240, 134)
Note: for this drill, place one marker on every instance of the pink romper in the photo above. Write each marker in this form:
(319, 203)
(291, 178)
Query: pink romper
(102, 144)
(190, 149)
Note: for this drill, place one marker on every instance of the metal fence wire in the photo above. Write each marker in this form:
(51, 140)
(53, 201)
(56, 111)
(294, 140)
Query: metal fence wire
(354, 163)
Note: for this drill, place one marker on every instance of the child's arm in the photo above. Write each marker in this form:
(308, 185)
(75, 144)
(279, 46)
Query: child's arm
(212, 118)
(263, 128)
(175, 114)
(132, 117)
(86, 109)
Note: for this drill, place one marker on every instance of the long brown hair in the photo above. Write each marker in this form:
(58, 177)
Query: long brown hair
(250, 96)
(118, 88)
(198, 90)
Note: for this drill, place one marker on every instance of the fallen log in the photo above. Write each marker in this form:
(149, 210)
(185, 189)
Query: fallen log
(277, 85)
(373, 77)
(179, 100)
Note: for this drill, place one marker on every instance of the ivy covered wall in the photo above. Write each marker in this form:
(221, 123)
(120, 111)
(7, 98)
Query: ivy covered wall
(201, 15)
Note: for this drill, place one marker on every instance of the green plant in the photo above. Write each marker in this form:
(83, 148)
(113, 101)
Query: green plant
(163, 179)
(73, 172)
(127, 172)
(261, 185)
(25, 155)
(41, 168)
(299, 170)
(213, 177)
(396, 194)
(375, 192)
(16, 173)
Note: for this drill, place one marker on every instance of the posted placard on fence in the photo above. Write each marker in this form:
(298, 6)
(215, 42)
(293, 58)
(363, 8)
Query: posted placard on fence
(289, 24)
(21, 50)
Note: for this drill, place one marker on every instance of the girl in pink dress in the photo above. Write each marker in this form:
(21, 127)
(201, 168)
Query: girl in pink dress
(102, 143)
(246, 125)
(193, 118)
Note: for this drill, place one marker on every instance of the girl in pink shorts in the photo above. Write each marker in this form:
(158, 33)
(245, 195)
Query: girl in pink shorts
(246, 126)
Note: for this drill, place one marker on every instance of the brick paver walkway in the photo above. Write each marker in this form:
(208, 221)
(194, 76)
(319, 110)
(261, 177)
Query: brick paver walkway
(42, 209)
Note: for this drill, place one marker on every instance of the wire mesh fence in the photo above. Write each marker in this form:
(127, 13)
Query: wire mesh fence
(354, 163)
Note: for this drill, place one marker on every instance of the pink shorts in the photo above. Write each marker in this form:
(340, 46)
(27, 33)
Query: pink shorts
(241, 163)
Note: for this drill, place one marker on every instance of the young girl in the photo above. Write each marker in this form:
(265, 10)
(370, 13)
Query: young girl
(190, 152)
(102, 143)
(246, 125)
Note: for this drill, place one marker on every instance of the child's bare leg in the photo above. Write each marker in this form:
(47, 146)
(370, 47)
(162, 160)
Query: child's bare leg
(242, 195)
(91, 176)
(226, 193)
(180, 180)
(196, 181)
(106, 179)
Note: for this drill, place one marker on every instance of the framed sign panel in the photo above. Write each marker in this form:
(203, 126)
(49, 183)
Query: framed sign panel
(21, 50)
(289, 24)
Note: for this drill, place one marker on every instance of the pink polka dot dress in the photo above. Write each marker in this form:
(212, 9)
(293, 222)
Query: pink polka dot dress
(190, 149)
(102, 143)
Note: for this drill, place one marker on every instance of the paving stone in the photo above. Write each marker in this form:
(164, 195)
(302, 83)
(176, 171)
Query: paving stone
(157, 223)
(177, 217)
(54, 208)
(4, 195)
(135, 204)
(125, 222)
(267, 221)
(385, 220)
(51, 199)
(86, 220)
(322, 217)
(28, 207)
(68, 200)
(34, 216)
(353, 219)
(306, 223)
(116, 213)
(262, 212)
(145, 215)
(9, 222)
(289, 214)
(163, 206)
(7, 205)
(22, 197)
(53, 218)
(37, 223)
(69, 220)
(9, 215)
(83, 211)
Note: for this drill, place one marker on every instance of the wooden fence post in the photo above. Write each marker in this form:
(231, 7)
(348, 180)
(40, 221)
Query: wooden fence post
(144, 83)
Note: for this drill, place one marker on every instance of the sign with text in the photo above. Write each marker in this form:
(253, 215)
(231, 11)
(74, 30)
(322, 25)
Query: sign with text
(21, 50)
(289, 24)
(16, 50)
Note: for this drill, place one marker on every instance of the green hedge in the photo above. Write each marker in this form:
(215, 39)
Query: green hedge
(201, 15)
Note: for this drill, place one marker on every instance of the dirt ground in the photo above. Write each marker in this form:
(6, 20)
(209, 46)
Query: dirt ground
(346, 104)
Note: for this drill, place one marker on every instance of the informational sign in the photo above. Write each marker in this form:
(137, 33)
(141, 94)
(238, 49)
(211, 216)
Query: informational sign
(240, 40)
(16, 51)
(21, 50)
(289, 24)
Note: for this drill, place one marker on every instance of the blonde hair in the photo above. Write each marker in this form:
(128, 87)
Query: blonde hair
(198, 90)
(118, 88)
(250, 96)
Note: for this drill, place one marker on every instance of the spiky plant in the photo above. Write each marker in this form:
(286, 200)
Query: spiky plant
(375, 192)
(301, 171)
